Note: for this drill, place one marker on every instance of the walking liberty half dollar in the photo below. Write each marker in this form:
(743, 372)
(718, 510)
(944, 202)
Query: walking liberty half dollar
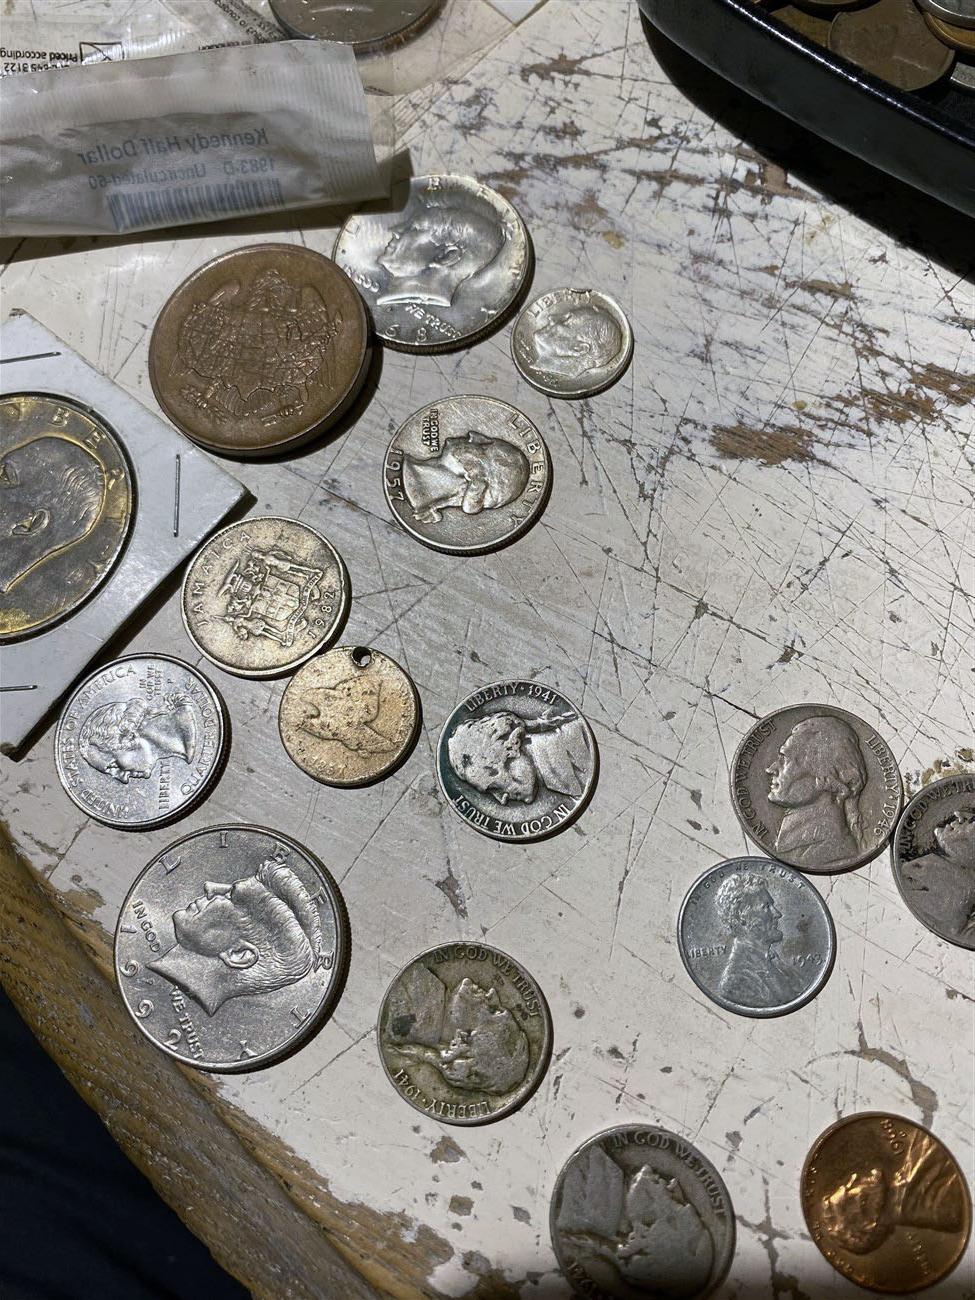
(263, 595)
(517, 761)
(231, 947)
(66, 502)
(465, 1033)
(756, 937)
(886, 1203)
(442, 271)
(572, 342)
(933, 854)
(467, 475)
(350, 716)
(816, 787)
(140, 741)
(637, 1211)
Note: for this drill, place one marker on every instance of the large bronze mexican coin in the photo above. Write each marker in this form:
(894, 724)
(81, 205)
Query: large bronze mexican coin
(66, 500)
(886, 1203)
(259, 350)
(891, 39)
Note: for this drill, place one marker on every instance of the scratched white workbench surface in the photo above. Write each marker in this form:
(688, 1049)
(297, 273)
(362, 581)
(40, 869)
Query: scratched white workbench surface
(774, 505)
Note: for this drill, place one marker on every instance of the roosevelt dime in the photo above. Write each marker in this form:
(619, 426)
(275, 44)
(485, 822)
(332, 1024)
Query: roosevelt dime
(140, 741)
(517, 761)
(259, 350)
(637, 1211)
(886, 1203)
(817, 788)
(572, 342)
(756, 937)
(349, 716)
(366, 25)
(933, 854)
(464, 1033)
(66, 502)
(263, 595)
(442, 270)
(467, 474)
(231, 947)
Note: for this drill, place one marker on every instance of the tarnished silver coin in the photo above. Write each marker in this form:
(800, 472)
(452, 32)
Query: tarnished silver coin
(958, 13)
(366, 25)
(637, 1211)
(349, 716)
(231, 947)
(140, 741)
(467, 474)
(442, 270)
(465, 1033)
(817, 788)
(263, 595)
(572, 342)
(933, 856)
(756, 937)
(517, 761)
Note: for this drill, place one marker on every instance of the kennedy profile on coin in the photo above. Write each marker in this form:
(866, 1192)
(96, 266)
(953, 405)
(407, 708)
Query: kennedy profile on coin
(933, 853)
(572, 342)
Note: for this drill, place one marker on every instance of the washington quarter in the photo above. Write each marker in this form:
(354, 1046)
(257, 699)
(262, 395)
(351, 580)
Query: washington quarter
(817, 788)
(140, 741)
(517, 761)
(263, 595)
(756, 937)
(467, 475)
(231, 947)
(637, 1211)
(350, 716)
(933, 855)
(465, 1033)
(366, 25)
(572, 342)
(442, 271)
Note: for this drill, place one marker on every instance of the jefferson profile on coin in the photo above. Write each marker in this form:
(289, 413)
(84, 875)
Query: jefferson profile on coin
(129, 738)
(508, 757)
(52, 491)
(575, 340)
(818, 777)
(753, 975)
(471, 474)
(256, 934)
(436, 250)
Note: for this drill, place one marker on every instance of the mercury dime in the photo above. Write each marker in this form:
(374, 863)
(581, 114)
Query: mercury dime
(467, 474)
(572, 342)
(756, 937)
(441, 271)
(637, 1211)
(263, 595)
(891, 40)
(816, 787)
(231, 946)
(886, 1203)
(933, 854)
(366, 25)
(349, 716)
(517, 761)
(259, 350)
(66, 502)
(140, 741)
(464, 1033)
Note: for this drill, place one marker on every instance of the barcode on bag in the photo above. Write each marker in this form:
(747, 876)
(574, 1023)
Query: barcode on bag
(185, 203)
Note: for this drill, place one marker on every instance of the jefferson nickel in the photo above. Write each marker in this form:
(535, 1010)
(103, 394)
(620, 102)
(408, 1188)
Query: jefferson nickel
(933, 853)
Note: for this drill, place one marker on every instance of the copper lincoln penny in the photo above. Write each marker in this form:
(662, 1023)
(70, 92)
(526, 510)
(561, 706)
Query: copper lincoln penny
(259, 350)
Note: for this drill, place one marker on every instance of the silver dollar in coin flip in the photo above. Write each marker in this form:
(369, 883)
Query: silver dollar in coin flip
(933, 853)
(467, 475)
(366, 25)
(637, 1211)
(756, 937)
(231, 947)
(572, 342)
(517, 761)
(442, 271)
(140, 741)
(264, 595)
(465, 1033)
(817, 788)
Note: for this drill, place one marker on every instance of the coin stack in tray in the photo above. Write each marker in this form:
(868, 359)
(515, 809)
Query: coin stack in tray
(233, 943)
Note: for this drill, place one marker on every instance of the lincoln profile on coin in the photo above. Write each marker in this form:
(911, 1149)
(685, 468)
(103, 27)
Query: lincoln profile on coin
(509, 758)
(471, 473)
(573, 341)
(52, 491)
(129, 738)
(436, 250)
(251, 936)
(753, 975)
(818, 778)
